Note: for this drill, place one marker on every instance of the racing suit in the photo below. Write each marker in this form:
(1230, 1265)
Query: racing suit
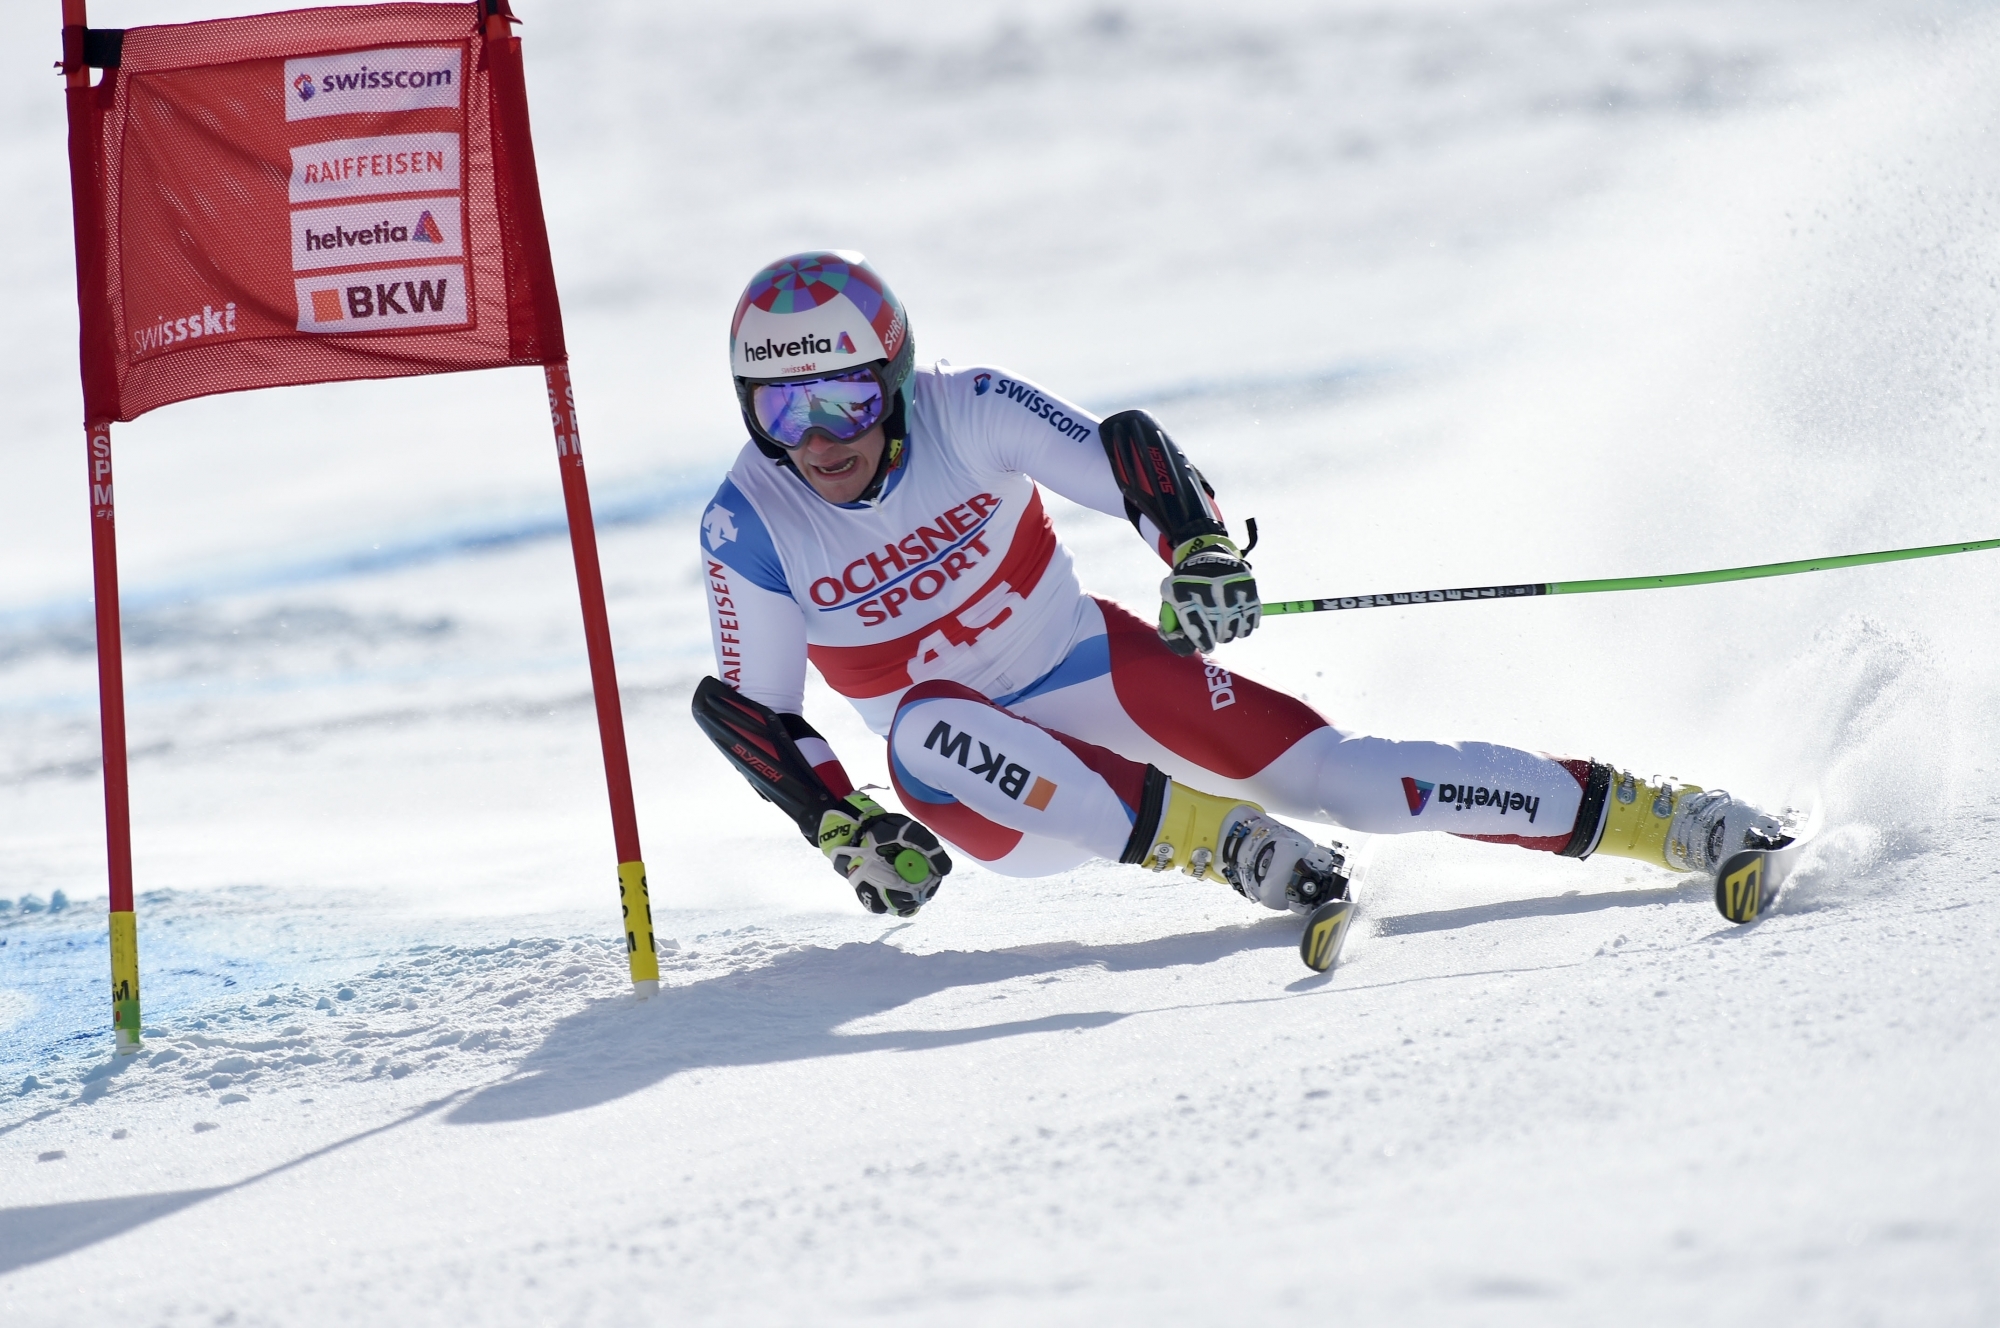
(1020, 712)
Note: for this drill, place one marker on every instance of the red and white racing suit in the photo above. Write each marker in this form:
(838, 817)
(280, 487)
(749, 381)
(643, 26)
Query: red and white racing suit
(1020, 712)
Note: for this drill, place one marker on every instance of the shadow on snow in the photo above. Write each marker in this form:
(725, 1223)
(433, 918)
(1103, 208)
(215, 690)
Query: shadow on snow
(792, 1008)
(48, 1231)
(1451, 919)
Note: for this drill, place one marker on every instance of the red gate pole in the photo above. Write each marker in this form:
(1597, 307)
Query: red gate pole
(85, 201)
(111, 713)
(632, 894)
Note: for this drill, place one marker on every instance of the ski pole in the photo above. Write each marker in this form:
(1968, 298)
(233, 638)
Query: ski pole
(1618, 583)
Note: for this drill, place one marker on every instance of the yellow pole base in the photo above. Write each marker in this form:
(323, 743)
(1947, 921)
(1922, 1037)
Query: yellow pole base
(125, 981)
(638, 910)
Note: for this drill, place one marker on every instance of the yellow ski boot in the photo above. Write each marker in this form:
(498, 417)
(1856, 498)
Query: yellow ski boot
(1681, 827)
(1230, 840)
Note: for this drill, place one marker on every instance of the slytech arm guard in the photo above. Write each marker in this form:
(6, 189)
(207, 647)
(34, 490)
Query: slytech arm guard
(1158, 483)
(764, 746)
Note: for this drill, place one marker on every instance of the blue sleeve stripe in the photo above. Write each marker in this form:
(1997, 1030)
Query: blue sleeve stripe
(733, 534)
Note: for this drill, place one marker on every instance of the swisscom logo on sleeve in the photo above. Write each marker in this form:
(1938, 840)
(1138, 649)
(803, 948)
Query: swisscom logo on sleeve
(389, 255)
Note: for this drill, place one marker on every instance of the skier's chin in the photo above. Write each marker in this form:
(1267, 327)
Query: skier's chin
(840, 472)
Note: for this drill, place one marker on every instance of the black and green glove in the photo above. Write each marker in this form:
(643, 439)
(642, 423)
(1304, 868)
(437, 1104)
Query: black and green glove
(894, 864)
(1210, 596)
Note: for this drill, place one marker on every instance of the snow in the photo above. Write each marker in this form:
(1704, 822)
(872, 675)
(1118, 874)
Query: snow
(1440, 293)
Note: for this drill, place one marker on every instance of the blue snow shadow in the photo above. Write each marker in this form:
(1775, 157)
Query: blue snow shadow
(789, 1010)
(47, 1231)
(1676, 893)
(40, 1232)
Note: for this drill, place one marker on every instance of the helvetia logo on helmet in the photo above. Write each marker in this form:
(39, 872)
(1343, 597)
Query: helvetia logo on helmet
(844, 346)
(791, 350)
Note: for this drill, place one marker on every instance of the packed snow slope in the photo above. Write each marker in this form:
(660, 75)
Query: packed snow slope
(1442, 294)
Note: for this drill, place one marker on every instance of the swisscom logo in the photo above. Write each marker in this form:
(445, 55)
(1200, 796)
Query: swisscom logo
(403, 78)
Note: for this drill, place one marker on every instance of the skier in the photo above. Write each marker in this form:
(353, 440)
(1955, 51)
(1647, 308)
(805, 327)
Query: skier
(884, 522)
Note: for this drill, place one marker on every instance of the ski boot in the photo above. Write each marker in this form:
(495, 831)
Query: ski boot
(1233, 841)
(1681, 827)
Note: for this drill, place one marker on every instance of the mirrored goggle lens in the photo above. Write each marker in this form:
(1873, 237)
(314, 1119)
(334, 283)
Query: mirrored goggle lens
(844, 406)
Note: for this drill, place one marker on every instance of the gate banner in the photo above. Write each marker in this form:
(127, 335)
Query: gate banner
(306, 197)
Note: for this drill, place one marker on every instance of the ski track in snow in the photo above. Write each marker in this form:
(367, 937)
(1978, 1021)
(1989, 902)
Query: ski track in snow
(1528, 290)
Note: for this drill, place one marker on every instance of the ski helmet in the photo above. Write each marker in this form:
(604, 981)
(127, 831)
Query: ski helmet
(815, 314)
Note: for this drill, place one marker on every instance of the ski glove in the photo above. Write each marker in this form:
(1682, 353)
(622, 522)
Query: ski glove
(893, 863)
(1210, 597)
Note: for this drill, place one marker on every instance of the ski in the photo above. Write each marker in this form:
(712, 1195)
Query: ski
(1330, 897)
(1326, 932)
(1750, 881)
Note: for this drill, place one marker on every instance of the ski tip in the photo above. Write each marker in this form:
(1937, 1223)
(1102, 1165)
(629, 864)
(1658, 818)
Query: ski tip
(1743, 890)
(1326, 932)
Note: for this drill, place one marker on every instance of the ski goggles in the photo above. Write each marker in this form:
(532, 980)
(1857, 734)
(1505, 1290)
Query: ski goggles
(842, 406)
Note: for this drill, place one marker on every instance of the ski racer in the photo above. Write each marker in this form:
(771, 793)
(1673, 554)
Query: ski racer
(884, 522)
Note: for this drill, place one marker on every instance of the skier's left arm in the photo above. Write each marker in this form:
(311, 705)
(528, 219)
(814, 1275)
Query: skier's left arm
(1124, 465)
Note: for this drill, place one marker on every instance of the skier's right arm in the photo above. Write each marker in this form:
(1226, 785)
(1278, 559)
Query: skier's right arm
(752, 714)
(893, 863)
